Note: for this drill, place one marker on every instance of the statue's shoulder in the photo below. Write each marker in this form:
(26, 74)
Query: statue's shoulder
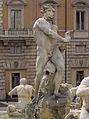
(28, 86)
(40, 21)
(85, 81)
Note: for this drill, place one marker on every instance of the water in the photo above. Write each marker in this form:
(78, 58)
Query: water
(5, 116)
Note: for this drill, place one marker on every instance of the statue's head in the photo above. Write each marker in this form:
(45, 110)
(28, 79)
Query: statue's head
(23, 81)
(48, 11)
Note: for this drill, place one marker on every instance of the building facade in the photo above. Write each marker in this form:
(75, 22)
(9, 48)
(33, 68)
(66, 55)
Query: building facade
(78, 48)
(18, 47)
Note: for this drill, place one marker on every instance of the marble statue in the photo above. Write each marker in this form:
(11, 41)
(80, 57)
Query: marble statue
(83, 92)
(51, 98)
(49, 50)
(24, 93)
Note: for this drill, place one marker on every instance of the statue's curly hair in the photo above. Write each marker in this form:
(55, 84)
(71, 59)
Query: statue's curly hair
(45, 7)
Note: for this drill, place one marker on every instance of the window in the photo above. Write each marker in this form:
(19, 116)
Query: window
(15, 77)
(79, 77)
(16, 13)
(80, 20)
(16, 50)
(80, 48)
(15, 81)
(16, 19)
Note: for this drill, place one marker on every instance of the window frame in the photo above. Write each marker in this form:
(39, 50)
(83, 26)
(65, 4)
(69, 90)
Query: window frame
(15, 18)
(10, 8)
(77, 71)
(79, 27)
(78, 49)
(85, 10)
(15, 48)
(11, 78)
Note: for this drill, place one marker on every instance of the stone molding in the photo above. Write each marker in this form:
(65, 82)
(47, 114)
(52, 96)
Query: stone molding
(16, 64)
(16, 2)
(16, 7)
(80, 3)
(79, 63)
(52, 2)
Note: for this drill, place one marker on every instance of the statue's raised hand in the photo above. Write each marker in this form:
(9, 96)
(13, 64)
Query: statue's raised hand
(67, 37)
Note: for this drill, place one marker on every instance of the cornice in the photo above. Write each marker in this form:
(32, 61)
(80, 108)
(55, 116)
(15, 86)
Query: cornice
(16, 2)
(52, 2)
(80, 3)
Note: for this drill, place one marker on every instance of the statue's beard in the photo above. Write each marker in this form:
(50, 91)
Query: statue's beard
(50, 19)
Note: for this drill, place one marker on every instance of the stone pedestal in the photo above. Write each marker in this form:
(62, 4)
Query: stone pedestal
(51, 107)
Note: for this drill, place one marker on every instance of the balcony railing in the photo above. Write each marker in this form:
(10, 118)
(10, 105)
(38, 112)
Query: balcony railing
(28, 32)
(16, 33)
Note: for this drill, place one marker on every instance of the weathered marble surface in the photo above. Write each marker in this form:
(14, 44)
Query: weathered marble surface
(51, 99)
(83, 92)
(52, 107)
(48, 103)
(50, 48)
(24, 93)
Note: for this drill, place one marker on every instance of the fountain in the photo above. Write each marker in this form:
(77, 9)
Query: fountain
(52, 99)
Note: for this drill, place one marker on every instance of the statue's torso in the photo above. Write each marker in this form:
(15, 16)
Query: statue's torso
(42, 39)
(24, 95)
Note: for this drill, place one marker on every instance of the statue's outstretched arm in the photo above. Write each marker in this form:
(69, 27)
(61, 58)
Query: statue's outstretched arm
(43, 26)
(83, 90)
(13, 91)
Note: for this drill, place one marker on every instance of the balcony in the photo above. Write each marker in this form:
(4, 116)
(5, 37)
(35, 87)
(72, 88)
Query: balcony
(16, 33)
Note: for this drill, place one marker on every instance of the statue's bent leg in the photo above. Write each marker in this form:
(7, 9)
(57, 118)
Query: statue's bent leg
(57, 80)
(37, 83)
(58, 61)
